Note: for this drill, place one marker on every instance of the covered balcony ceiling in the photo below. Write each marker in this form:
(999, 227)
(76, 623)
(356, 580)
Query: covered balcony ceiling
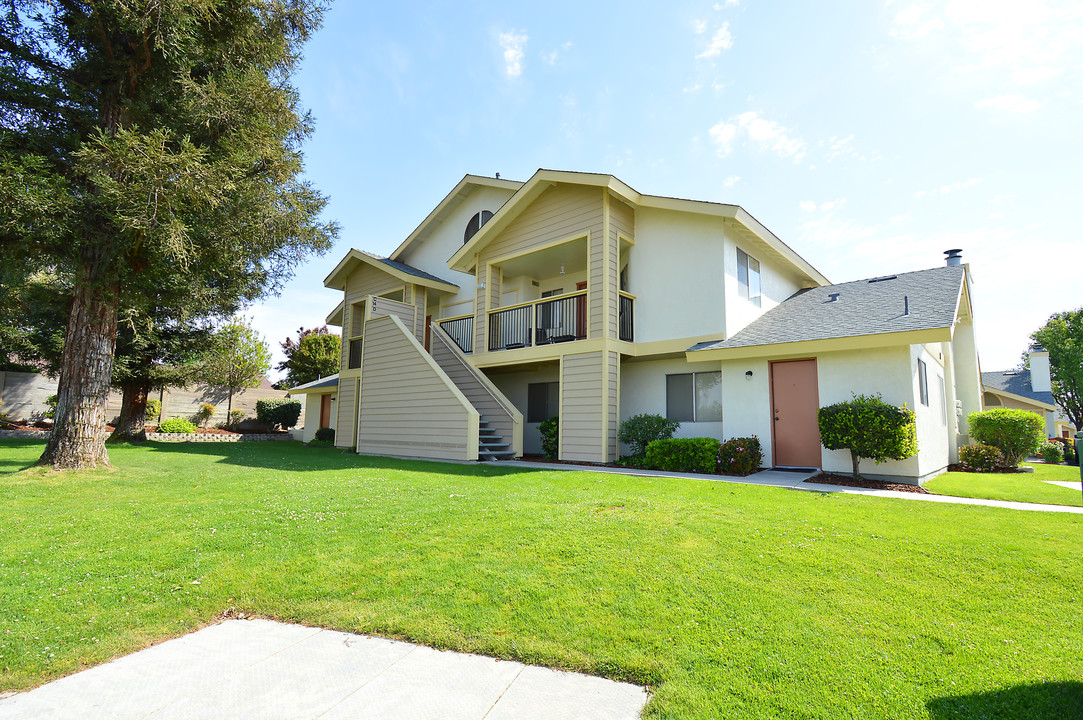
(547, 263)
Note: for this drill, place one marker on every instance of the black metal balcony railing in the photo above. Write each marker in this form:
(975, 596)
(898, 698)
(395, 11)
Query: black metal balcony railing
(461, 330)
(625, 318)
(539, 323)
(510, 329)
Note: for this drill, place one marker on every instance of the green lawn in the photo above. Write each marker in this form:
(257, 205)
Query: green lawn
(730, 601)
(1020, 487)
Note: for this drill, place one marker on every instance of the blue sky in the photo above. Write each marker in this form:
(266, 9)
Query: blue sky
(869, 136)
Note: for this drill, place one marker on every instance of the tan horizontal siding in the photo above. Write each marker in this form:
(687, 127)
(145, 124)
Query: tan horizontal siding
(346, 411)
(408, 405)
(557, 213)
(581, 389)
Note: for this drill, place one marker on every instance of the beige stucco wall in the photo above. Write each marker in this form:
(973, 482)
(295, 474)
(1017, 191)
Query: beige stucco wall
(514, 387)
(643, 390)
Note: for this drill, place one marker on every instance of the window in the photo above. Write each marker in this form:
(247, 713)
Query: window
(542, 401)
(748, 277)
(396, 295)
(355, 354)
(943, 399)
(923, 383)
(694, 397)
(475, 224)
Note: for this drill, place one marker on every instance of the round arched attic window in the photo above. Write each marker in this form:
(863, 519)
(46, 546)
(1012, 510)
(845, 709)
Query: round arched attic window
(475, 224)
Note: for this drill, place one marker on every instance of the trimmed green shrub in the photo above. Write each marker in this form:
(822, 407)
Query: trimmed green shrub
(550, 437)
(154, 410)
(177, 425)
(698, 455)
(204, 413)
(1052, 453)
(235, 418)
(1067, 447)
(740, 456)
(869, 428)
(325, 435)
(50, 406)
(980, 458)
(639, 431)
(278, 412)
(1016, 433)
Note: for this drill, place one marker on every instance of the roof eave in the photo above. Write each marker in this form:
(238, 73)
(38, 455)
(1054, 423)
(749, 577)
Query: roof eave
(812, 347)
(337, 279)
(1019, 398)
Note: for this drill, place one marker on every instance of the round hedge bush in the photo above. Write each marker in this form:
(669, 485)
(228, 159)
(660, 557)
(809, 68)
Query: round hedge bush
(176, 425)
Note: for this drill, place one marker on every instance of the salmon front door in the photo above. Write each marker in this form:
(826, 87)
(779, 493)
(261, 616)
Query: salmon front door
(795, 401)
(325, 411)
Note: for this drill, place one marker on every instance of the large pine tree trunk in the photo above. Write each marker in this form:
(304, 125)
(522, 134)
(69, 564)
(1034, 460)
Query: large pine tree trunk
(86, 368)
(133, 413)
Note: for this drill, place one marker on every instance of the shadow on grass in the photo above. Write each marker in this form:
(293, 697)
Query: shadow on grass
(1042, 701)
(13, 465)
(296, 456)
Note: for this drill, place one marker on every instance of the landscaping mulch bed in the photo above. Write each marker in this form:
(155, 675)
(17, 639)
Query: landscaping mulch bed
(849, 481)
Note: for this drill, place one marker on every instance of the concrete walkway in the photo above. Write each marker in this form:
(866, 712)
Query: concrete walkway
(260, 669)
(796, 481)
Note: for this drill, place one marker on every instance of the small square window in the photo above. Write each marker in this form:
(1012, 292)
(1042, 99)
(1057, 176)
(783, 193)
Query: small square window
(694, 397)
(542, 401)
(355, 354)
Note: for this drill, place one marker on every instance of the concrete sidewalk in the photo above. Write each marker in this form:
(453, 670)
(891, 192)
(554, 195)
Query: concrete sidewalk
(796, 481)
(263, 669)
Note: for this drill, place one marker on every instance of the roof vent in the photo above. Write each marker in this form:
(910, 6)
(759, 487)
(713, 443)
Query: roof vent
(833, 297)
(954, 257)
(884, 278)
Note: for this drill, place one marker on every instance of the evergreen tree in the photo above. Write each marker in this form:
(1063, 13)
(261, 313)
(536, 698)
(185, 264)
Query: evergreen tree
(149, 145)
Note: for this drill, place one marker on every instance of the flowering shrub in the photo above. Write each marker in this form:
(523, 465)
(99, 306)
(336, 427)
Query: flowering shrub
(1068, 447)
(204, 413)
(740, 456)
(1051, 453)
(176, 425)
(980, 458)
(698, 455)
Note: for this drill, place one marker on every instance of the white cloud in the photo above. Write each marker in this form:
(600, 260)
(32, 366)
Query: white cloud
(950, 188)
(768, 134)
(691, 88)
(512, 43)
(808, 205)
(699, 26)
(721, 40)
(1009, 103)
(550, 58)
(836, 147)
(728, 3)
(731, 181)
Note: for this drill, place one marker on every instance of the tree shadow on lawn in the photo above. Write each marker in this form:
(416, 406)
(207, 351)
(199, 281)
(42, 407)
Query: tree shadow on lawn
(1040, 701)
(296, 456)
(14, 465)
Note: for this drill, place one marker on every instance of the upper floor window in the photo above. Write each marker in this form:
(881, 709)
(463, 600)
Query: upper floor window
(475, 224)
(748, 277)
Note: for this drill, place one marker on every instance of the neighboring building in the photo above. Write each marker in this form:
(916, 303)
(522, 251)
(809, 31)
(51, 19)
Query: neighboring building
(1028, 389)
(319, 398)
(573, 294)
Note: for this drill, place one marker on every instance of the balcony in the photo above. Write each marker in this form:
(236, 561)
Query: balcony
(541, 322)
(461, 330)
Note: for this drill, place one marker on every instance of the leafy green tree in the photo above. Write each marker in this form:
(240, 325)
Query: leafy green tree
(145, 147)
(315, 354)
(237, 358)
(1062, 338)
(869, 428)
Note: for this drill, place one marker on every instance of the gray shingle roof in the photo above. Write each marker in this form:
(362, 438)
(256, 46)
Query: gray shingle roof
(1016, 382)
(329, 381)
(861, 307)
(408, 269)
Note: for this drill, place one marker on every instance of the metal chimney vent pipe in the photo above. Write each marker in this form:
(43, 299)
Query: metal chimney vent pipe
(955, 257)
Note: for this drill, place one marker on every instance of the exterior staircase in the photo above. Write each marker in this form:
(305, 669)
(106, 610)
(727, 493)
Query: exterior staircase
(491, 445)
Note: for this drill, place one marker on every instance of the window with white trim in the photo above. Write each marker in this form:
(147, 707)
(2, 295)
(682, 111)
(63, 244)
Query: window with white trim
(748, 277)
(694, 397)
